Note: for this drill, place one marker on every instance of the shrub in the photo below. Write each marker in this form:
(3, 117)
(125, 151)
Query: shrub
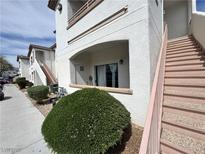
(38, 92)
(87, 121)
(20, 78)
(21, 82)
(29, 84)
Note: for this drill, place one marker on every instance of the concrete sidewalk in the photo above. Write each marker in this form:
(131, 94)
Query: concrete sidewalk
(20, 124)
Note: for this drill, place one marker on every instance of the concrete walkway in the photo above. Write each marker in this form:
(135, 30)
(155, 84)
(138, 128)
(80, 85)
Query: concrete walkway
(20, 124)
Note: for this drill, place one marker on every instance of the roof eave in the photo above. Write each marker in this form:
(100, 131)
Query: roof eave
(52, 4)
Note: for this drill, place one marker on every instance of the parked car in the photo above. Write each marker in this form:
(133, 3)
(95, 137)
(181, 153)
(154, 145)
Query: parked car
(1, 92)
(2, 80)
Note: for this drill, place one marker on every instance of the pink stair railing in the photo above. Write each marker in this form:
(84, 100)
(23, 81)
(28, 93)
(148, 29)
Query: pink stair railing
(150, 143)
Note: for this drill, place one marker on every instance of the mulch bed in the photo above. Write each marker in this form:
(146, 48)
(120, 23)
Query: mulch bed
(130, 143)
(43, 107)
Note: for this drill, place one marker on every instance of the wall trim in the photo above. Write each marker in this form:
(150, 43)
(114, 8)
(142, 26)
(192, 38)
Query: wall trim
(100, 24)
(108, 89)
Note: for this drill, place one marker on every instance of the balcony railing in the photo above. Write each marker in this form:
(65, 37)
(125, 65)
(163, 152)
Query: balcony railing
(151, 135)
(85, 9)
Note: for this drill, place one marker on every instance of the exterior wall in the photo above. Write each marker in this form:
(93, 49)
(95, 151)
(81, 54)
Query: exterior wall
(198, 24)
(176, 16)
(133, 26)
(47, 57)
(37, 79)
(155, 33)
(39, 56)
(24, 68)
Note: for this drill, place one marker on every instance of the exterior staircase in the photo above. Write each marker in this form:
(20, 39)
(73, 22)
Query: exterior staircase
(49, 75)
(183, 111)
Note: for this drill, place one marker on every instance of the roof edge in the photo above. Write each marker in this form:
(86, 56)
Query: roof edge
(22, 57)
(31, 46)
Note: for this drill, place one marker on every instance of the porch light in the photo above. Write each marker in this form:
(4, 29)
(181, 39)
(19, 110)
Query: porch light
(59, 7)
(121, 61)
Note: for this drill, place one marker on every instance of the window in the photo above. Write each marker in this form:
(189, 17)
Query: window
(200, 5)
(107, 75)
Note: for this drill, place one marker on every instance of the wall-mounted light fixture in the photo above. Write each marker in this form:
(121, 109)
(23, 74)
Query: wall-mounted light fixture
(59, 7)
(121, 61)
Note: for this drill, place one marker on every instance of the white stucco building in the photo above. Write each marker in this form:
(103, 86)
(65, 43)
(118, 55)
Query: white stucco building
(42, 64)
(114, 45)
(23, 66)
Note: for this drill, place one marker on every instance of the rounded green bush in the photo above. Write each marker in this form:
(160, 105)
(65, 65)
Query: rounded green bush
(88, 121)
(21, 81)
(38, 92)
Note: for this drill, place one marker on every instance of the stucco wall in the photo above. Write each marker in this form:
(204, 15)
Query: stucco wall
(176, 16)
(24, 68)
(155, 33)
(198, 27)
(133, 26)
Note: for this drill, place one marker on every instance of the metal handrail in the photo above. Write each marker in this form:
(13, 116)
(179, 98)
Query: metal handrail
(150, 143)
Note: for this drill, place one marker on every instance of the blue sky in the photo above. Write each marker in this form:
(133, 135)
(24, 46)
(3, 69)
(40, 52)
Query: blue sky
(23, 22)
(200, 5)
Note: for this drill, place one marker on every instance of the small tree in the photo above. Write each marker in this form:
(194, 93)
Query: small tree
(4, 65)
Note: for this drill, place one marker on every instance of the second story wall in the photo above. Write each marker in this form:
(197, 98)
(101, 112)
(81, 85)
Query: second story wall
(24, 68)
(136, 11)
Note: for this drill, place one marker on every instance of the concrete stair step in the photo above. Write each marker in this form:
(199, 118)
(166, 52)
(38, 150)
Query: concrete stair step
(181, 44)
(193, 82)
(183, 55)
(180, 119)
(185, 74)
(183, 140)
(186, 45)
(183, 103)
(182, 39)
(180, 51)
(167, 148)
(195, 54)
(198, 67)
(189, 92)
(189, 62)
(191, 57)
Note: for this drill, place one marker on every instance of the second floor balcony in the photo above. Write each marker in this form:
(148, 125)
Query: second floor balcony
(80, 9)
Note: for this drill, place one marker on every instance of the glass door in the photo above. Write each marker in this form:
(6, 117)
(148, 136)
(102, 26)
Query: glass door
(107, 75)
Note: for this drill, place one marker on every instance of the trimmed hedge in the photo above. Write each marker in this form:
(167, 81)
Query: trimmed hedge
(38, 92)
(87, 121)
(21, 82)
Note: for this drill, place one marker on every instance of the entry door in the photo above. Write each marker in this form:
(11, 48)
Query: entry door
(107, 75)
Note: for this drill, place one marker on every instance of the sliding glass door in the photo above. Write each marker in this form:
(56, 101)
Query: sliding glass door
(107, 75)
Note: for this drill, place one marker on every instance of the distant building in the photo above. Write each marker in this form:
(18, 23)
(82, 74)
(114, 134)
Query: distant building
(42, 64)
(23, 66)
